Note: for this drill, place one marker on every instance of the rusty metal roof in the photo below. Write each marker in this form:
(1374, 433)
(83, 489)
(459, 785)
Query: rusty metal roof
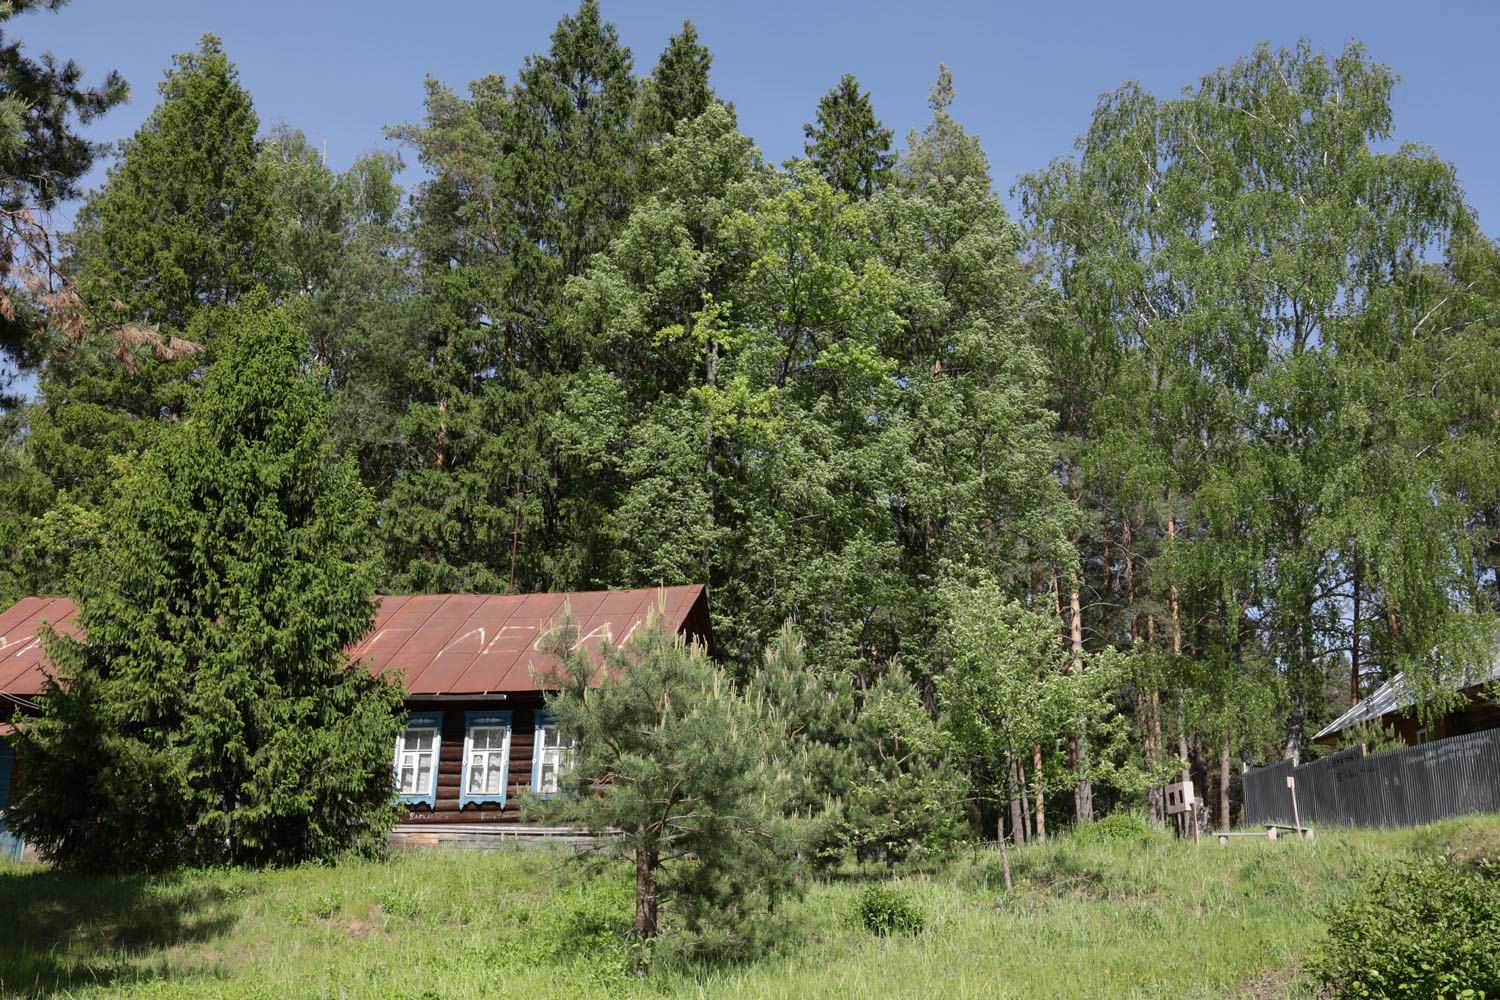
(20, 649)
(448, 644)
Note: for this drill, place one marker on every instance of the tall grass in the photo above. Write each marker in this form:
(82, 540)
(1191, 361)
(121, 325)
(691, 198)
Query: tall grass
(1141, 916)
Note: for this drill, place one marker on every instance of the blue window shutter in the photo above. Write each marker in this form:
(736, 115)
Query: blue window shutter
(485, 720)
(422, 720)
(7, 761)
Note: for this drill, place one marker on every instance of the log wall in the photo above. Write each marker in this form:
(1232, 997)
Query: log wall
(523, 708)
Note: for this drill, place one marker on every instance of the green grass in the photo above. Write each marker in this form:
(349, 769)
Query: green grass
(1136, 918)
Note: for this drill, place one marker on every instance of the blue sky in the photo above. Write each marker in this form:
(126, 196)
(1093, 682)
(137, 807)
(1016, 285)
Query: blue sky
(1027, 74)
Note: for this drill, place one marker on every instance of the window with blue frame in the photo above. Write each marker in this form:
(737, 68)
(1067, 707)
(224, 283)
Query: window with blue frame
(7, 759)
(552, 756)
(486, 758)
(417, 751)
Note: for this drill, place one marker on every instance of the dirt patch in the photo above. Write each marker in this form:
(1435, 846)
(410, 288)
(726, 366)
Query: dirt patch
(369, 927)
(1277, 984)
(1475, 847)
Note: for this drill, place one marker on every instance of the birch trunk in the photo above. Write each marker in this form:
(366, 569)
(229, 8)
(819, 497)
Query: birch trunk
(1083, 791)
(1016, 785)
(1036, 777)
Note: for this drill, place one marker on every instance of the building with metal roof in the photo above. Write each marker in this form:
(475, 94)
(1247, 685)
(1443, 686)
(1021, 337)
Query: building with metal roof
(477, 730)
(1393, 704)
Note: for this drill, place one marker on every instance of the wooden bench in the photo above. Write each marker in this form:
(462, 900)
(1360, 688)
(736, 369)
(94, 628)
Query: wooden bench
(1272, 833)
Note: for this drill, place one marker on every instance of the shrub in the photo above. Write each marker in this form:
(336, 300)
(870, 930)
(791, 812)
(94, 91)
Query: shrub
(1114, 829)
(1423, 931)
(884, 910)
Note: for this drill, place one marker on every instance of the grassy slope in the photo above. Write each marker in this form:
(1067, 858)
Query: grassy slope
(1117, 920)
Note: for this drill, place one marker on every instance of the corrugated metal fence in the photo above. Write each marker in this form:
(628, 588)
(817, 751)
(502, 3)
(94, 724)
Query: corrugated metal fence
(1419, 784)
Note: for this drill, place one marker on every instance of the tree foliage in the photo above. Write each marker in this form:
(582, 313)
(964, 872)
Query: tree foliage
(42, 159)
(1205, 450)
(848, 145)
(182, 224)
(690, 772)
(211, 710)
(1244, 273)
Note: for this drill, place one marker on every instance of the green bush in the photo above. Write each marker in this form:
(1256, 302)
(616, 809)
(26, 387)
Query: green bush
(1422, 931)
(884, 910)
(1116, 828)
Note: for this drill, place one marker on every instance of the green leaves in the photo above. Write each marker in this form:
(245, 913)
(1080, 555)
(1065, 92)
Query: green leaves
(1426, 929)
(1240, 266)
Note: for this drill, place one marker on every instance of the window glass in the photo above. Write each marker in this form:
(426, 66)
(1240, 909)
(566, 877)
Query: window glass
(487, 747)
(554, 756)
(415, 768)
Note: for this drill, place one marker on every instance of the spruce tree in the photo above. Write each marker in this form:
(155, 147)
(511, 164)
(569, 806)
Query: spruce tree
(532, 180)
(848, 145)
(184, 221)
(210, 709)
(182, 226)
(677, 89)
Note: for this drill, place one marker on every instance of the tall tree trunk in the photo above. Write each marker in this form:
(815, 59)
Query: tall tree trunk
(1016, 784)
(1148, 699)
(1010, 780)
(1224, 778)
(1182, 743)
(1083, 790)
(1354, 641)
(1156, 800)
(1036, 777)
(1298, 676)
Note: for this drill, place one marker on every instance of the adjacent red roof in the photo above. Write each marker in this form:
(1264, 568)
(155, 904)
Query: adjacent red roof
(446, 643)
(21, 650)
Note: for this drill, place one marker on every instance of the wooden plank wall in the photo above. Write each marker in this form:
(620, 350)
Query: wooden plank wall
(523, 708)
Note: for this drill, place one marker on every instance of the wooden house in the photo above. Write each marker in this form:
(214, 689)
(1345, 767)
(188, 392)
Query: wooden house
(1394, 706)
(477, 732)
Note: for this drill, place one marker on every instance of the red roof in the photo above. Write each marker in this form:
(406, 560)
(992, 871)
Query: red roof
(447, 643)
(21, 650)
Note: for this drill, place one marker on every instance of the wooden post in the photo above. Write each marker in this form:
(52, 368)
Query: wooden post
(1291, 784)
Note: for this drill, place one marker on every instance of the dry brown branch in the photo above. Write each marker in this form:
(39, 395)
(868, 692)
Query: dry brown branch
(28, 260)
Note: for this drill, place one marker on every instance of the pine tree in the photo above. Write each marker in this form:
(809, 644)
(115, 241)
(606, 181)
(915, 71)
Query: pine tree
(943, 151)
(690, 775)
(210, 708)
(848, 145)
(42, 159)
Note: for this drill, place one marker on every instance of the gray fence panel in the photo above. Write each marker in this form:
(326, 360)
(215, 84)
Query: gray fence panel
(1407, 787)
